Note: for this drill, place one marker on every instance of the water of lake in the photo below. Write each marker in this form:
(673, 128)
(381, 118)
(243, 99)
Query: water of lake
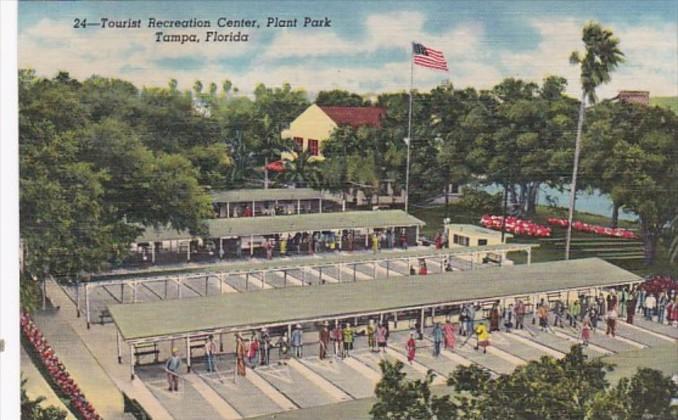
(590, 202)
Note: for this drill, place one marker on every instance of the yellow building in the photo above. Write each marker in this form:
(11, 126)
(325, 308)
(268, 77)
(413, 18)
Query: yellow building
(472, 235)
(316, 123)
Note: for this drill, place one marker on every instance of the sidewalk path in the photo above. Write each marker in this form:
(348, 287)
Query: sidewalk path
(100, 377)
(37, 386)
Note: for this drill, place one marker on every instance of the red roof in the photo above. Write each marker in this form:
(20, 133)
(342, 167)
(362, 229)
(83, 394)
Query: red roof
(355, 116)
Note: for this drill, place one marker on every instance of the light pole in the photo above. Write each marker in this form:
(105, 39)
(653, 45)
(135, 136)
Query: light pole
(45, 272)
(407, 175)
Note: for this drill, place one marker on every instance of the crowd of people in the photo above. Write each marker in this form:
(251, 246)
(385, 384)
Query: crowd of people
(57, 371)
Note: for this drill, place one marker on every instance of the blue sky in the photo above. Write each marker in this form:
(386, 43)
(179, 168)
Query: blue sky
(366, 49)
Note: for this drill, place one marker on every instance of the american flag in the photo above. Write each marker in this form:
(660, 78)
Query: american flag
(428, 57)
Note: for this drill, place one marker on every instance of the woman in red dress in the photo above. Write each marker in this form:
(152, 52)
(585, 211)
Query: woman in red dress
(586, 331)
(411, 348)
(448, 334)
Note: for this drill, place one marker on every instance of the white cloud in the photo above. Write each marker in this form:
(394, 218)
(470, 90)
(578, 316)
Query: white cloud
(389, 30)
(651, 56)
(651, 61)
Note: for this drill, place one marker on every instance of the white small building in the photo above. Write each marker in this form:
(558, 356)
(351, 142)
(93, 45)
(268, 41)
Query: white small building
(471, 235)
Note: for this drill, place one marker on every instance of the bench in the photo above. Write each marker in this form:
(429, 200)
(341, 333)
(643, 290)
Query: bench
(145, 350)
(105, 315)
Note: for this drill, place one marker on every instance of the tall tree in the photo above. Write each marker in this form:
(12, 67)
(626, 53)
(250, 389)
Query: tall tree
(339, 97)
(602, 55)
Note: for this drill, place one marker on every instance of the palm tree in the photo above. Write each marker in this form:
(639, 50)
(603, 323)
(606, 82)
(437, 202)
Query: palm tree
(303, 170)
(601, 57)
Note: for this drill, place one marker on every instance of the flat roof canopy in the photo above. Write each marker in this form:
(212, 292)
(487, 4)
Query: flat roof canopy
(271, 194)
(269, 225)
(243, 311)
(319, 260)
(476, 230)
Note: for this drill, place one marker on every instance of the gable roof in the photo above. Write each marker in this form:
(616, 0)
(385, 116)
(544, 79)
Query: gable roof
(355, 116)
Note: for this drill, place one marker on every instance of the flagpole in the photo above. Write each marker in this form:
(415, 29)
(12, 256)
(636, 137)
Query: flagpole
(409, 134)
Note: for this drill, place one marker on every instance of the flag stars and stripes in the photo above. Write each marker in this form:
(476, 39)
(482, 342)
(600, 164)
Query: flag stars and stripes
(428, 57)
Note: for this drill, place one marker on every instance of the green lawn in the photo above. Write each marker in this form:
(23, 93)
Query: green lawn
(670, 102)
(584, 244)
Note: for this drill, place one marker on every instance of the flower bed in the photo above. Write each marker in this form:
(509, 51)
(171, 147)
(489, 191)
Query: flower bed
(657, 284)
(56, 370)
(596, 229)
(516, 226)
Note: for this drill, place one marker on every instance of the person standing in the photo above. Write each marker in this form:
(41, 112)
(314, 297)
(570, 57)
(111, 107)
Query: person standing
(482, 337)
(611, 321)
(411, 347)
(650, 306)
(336, 336)
(543, 314)
(172, 368)
(375, 243)
(348, 339)
(573, 312)
(437, 334)
(240, 353)
(324, 340)
(494, 317)
(586, 331)
(253, 351)
(507, 317)
(265, 347)
(298, 342)
(371, 342)
(283, 246)
(520, 314)
(661, 307)
(631, 308)
(558, 312)
(448, 333)
(382, 336)
(268, 245)
(623, 300)
(210, 352)
(403, 239)
(283, 349)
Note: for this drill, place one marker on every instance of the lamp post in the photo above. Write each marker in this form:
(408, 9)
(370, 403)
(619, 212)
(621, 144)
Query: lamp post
(45, 272)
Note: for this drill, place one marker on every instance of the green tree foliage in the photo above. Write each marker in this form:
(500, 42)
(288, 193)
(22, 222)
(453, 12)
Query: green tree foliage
(338, 97)
(398, 398)
(573, 387)
(303, 171)
(87, 178)
(32, 409)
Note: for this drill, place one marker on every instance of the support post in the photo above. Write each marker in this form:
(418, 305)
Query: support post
(320, 205)
(395, 319)
(529, 256)
(188, 251)
(416, 236)
(355, 265)
(77, 299)
(433, 315)
(289, 331)
(228, 210)
(207, 279)
(118, 347)
(87, 304)
(221, 342)
(423, 319)
(153, 252)
(166, 287)
(188, 354)
(298, 206)
(284, 278)
(131, 361)
(343, 204)
(122, 292)
(251, 245)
